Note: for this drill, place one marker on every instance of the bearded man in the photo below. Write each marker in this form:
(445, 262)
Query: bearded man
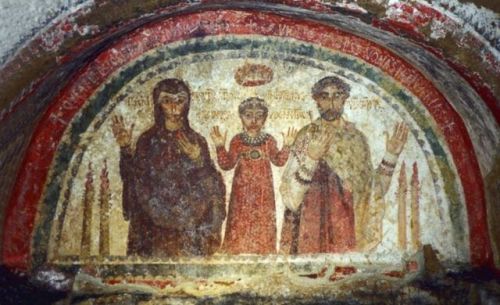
(329, 180)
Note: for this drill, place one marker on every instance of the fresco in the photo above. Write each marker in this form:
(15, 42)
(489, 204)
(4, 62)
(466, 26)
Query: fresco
(254, 153)
(245, 155)
(222, 154)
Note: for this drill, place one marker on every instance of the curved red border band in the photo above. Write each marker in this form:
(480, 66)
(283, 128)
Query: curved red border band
(21, 211)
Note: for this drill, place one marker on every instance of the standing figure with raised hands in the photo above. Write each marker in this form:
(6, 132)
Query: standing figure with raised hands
(173, 196)
(333, 195)
(251, 222)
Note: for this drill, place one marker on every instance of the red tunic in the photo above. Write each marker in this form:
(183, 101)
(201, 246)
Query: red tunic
(325, 221)
(251, 221)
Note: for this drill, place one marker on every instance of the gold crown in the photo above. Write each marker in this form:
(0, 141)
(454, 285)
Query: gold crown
(251, 75)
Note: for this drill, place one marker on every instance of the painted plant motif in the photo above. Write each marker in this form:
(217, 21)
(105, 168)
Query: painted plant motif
(168, 193)
(211, 153)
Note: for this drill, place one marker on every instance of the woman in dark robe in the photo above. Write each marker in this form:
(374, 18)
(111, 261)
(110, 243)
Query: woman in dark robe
(173, 196)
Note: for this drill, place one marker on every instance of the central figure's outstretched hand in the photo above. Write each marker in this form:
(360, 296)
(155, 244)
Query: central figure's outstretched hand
(289, 136)
(217, 137)
(122, 134)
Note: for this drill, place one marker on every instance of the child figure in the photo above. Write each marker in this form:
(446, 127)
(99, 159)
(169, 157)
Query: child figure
(251, 221)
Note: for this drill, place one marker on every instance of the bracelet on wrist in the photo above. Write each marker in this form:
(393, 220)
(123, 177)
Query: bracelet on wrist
(301, 180)
(388, 171)
(388, 164)
(303, 167)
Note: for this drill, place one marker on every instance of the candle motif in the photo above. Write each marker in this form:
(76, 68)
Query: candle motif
(88, 199)
(104, 197)
(415, 197)
(401, 199)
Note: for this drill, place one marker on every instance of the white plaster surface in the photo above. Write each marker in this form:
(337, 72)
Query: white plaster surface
(482, 23)
(463, 18)
(481, 19)
(22, 20)
(217, 77)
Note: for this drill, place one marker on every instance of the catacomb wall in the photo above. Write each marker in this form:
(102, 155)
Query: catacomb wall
(390, 190)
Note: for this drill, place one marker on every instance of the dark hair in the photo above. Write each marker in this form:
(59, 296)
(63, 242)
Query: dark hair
(330, 81)
(172, 86)
(253, 102)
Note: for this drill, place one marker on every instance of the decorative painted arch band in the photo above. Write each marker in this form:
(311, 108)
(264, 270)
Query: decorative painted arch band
(25, 199)
(70, 152)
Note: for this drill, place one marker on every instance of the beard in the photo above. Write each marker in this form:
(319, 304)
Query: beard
(331, 115)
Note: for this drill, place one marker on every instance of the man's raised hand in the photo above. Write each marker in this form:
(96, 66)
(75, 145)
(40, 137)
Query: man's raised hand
(398, 139)
(320, 144)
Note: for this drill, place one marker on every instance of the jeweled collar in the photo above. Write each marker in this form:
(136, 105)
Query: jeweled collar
(254, 141)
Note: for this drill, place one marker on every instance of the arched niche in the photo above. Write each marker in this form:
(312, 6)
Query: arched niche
(73, 150)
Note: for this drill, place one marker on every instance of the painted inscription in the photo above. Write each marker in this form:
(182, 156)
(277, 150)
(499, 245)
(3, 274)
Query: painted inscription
(297, 113)
(195, 165)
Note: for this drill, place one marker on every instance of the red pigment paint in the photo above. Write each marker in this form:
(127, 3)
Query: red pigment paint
(403, 25)
(22, 207)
